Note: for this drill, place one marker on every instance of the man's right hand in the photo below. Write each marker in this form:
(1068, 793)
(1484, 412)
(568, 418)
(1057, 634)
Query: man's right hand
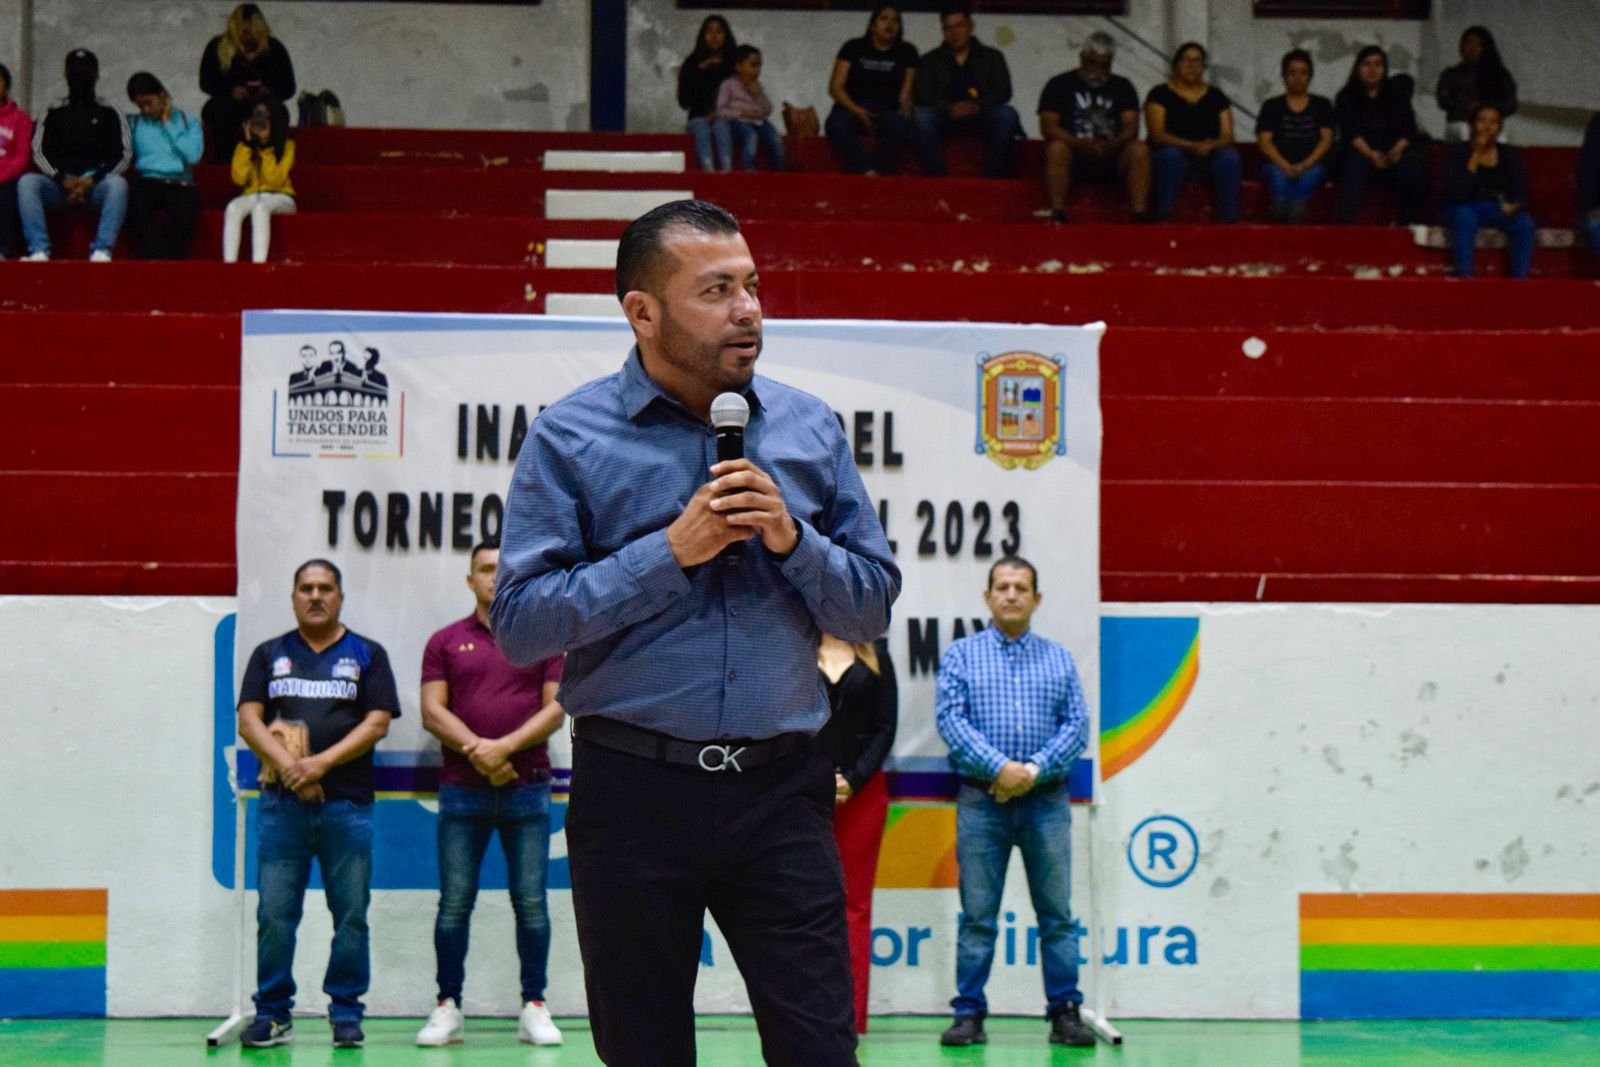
(699, 533)
(1013, 780)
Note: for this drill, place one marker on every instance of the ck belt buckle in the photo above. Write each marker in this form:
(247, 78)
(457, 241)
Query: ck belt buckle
(725, 755)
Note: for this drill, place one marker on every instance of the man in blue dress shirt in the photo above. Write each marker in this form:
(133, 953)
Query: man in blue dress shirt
(1011, 708)
(691, 676)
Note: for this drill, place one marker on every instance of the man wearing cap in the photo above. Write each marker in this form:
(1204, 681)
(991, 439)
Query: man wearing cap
(689, 595)
(81, 148)
(1089, 118)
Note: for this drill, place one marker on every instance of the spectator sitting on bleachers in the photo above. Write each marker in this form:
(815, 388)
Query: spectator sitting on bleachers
(1380, 138)
(1487, 186)
(1295, 132)
(1480, 78)
(701, 75)
(16, 143)
(963, 89)
(1589, 184)
(871, 88)
(167, 143)
(240, 68)
(1191, 129)
(1089, 119)
(743, 113)
(262, 160)
(82, 148)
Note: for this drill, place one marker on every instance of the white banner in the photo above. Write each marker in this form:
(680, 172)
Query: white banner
(385, 443)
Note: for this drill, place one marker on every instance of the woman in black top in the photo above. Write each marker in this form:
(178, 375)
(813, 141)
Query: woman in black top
(701, 75)
(858, 735)
(240, 68)
(1487, 187)
(1295, 132)
(1480, 78)
(1191, 133)
(871, 89)
(1380, 136)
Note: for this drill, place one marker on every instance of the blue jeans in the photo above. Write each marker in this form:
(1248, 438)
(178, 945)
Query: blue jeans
(467, 819)
(1282, 188)
(724, 131)
(1519, 230)
(36, 193)
(1592, 228)
(1041, 826)
(289, 834)
(998, 127)
(700, 130)
(1174, 166)
(844, 132)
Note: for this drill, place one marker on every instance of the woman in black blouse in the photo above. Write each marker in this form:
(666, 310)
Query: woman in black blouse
(1379, 131)
(1487, 187)
(1191, 133)
(701, 75)
(858, 735)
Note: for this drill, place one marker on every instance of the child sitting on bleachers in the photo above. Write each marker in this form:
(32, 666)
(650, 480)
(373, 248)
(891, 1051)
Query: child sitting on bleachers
(743, 111)
(261, 163)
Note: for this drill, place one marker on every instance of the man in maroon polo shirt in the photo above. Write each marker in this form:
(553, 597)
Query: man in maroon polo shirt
(491, 719)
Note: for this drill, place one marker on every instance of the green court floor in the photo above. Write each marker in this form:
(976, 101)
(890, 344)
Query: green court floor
(732, 1042)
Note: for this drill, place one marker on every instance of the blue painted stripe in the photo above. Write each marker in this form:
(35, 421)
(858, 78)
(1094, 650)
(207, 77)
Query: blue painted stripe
(1450, 994)
(53, 993)
(224, 732)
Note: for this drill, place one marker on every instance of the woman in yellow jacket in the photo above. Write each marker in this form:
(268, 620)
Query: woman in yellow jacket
(261, 164)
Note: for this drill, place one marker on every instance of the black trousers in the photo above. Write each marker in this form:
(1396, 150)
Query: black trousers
(10, 222)
(159, 238)
(653, 847)
(1408, 178)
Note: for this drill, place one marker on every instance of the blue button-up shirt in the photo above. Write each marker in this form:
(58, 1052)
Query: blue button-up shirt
(703, 653)
(1010, 698)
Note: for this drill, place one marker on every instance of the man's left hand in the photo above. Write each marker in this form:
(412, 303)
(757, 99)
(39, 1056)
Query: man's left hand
(749, 498)
(1014, 780)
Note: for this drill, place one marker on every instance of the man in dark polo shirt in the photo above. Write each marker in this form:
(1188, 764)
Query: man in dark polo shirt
(491, 719)
(312, 704)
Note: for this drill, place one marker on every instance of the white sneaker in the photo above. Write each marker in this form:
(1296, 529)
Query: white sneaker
(36, 257)
(445, 1026)
(535, 1026)
(99, 255)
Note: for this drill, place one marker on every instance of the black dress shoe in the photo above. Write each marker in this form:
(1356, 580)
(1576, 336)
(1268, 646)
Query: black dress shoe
(966, 1030)
(1066, 1028)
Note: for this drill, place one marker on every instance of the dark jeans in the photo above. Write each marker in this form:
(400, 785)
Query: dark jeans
(998, 128)
(290, 833)
(1465, 219)
(10, 222)
(1174, 166)
(653, 846)
(1408, 178)
(467, 819)
(845, 131)
(159, 238)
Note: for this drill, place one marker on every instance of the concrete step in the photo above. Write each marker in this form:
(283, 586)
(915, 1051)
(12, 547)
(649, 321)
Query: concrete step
(614, 162)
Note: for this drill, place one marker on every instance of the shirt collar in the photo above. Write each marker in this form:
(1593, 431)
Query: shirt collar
(639, 390)
(1002, 640)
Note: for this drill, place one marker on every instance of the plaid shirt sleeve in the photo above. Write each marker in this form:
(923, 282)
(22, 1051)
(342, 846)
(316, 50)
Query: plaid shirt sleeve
(1058, 754)
(970, 751)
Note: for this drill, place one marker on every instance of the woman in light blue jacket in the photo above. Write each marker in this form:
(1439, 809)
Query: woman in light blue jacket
(163, 203)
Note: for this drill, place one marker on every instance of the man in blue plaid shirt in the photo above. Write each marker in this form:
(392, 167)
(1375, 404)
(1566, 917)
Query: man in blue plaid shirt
(1011, 708)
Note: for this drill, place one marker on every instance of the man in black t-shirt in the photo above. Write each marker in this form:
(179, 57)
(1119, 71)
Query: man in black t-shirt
(1090, 121)
(312, 704)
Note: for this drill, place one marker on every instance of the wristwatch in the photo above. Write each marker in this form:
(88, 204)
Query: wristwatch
(1032, 769)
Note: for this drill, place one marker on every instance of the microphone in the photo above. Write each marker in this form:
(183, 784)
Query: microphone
(729, 414)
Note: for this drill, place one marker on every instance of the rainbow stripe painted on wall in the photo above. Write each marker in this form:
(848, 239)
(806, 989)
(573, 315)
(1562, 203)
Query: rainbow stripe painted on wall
(1449, 955)
(1148, 667)
(52, 953)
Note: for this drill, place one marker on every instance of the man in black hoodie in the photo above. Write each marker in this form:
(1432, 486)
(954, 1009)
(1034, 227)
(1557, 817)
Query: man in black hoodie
(81, 148)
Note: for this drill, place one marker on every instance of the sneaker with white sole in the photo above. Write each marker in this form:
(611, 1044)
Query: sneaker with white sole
(535, 1027)
(99, 255)
(265, 1033)
(36, 257)
(446, 1026)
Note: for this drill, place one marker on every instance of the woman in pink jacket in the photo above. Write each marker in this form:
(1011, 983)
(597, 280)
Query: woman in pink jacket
(16, 148)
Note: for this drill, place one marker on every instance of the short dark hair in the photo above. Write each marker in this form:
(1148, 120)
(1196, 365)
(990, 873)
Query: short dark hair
(5, 76)
(742, 53)
(326, 564)
(1296, 54)
(642, 255)
(1017, 562)
(144, 84)
(1184, 47)
(946, 10)
(488, 544)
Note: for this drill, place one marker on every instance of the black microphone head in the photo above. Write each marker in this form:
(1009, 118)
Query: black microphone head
(730, 409)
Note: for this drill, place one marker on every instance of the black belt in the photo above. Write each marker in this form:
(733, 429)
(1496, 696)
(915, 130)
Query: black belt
(1039, 790)
(737, 754)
